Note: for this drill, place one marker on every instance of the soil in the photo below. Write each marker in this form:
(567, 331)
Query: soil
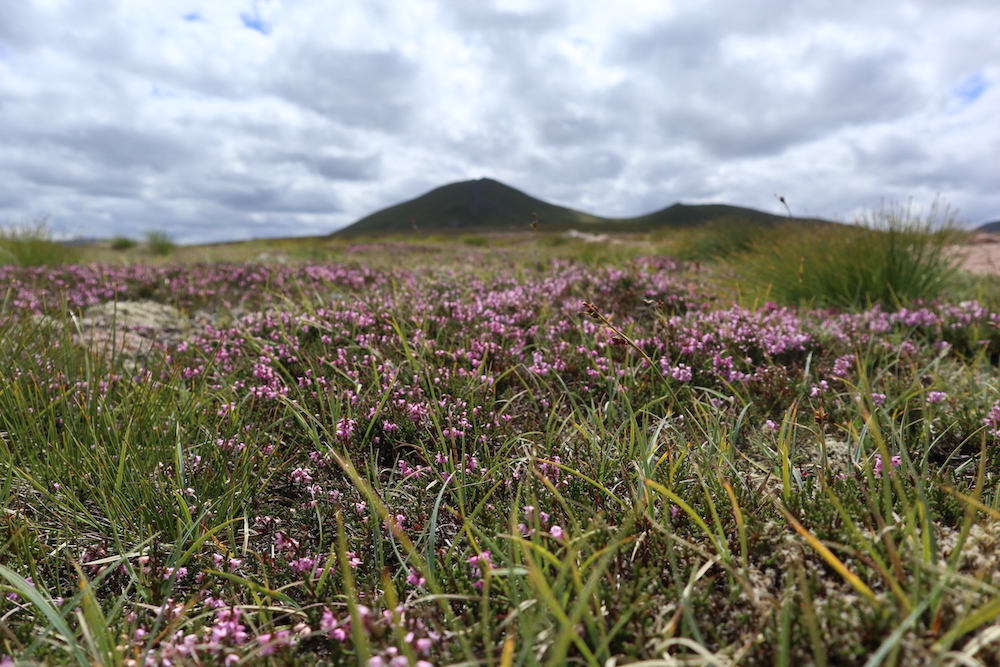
(981, 255)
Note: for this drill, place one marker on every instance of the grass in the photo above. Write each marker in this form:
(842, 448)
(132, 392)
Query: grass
(715, 240)
(440, 453)
(890, 256)
(123, 243)
(34, 245)
(159, 243)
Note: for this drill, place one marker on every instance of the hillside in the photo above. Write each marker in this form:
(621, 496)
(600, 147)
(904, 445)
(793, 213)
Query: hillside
(486, 204)
(481, 204)
(993, 227)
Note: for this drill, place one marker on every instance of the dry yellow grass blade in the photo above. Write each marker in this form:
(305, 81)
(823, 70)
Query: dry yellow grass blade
(507, 657)
(828, 555)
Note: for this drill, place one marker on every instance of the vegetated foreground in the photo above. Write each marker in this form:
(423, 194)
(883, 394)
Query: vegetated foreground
(492, 462)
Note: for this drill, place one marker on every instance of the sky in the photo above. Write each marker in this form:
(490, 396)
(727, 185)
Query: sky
(215, 120)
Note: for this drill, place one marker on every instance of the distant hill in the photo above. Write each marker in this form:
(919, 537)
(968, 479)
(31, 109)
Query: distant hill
(488, 205)
(993, 227)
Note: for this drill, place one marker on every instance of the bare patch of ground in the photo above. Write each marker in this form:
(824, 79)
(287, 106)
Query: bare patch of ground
(981, 255)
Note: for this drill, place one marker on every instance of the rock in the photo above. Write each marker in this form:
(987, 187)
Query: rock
(130, 328)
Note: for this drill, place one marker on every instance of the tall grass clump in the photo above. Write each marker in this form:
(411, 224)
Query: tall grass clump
(33, 245)
(716, 240)
(159, 242)
(123, 243)
(890, 256)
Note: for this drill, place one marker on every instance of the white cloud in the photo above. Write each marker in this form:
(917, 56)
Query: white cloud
(238, 118)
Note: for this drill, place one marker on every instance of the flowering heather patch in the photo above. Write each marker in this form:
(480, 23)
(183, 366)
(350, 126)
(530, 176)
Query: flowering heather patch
(492, 461)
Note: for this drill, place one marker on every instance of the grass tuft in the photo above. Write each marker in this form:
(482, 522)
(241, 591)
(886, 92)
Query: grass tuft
(890, 256)
(123, 243)
(34, 245)
(159, 243)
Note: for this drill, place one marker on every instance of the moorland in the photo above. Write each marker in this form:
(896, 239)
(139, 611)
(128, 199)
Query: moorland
(727, 444)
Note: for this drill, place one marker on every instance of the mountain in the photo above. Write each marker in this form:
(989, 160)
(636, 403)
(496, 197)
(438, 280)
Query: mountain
(485, 205)
(993, 227)
(468, 205)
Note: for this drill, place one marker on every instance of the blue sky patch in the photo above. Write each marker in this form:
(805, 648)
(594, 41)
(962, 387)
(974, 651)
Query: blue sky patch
(253, 21)
(193, 16)
(970, 90)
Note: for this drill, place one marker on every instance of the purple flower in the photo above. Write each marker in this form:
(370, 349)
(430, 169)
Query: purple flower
(414, 579)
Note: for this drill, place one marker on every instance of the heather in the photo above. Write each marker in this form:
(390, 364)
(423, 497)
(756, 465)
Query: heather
(475, 455)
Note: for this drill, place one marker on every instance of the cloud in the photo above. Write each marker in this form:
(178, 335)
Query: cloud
(242, 118)
(360, 89)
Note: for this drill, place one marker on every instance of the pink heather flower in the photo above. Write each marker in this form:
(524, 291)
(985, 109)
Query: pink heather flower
(345, 428)
(819, 389)
(896, 461)
(878, 466)
(557, 532)
(332, 627)
(878, 400)
(682, 373)
(395, 523)
(771, 425)
(476, 561)
(841, 366)
(992, 419)
(936, 396)
(414, 579)
(424, 645)
(303, 565)
(285, 543)
(14, 596)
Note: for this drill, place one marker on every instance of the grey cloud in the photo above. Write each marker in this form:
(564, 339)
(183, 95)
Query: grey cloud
(751, 116)
(248, 197)
(482, 19)
(568, 130)
(580, 166)
(864, 89)
(118, 146)
(891, 151)
(21, 25)
(336, 167)
(368, 90)
(741, 109)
